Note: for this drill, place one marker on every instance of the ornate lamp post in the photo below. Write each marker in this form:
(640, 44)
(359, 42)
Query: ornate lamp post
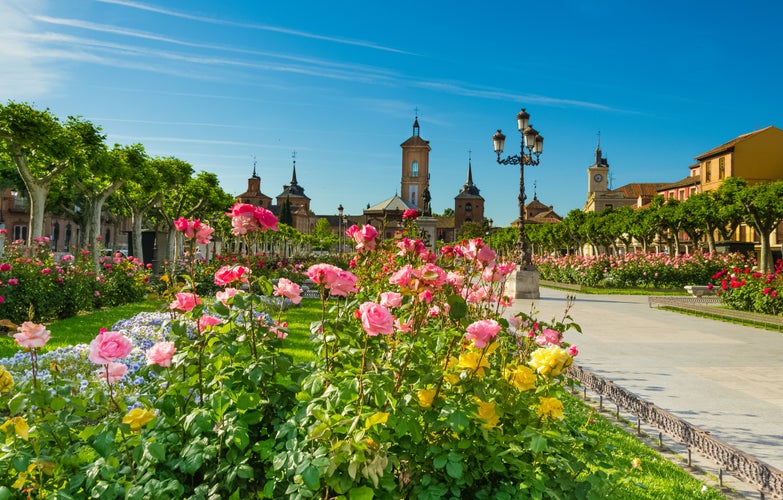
(532, 144)
(340, 229)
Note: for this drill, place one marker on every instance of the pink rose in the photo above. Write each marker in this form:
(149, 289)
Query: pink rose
(206, 322)
(203, 234)
(402, 276)
(243, 219)
(185, 301)
(225, 295)
(32, 335)
(182, 224)
(343, 284)
(376, 319)
(411, 214)
(13, 281)
(391, 299)
(229, 274)
(265, 218)
(548, 337)
(108, 346)
(289, 289)
(482, 332)
(572, 351)
(431, 275)
(113, 372)
(161, 353)
(322, 274)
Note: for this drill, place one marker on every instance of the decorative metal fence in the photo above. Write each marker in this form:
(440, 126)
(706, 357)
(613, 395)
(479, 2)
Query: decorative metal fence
(765, 478)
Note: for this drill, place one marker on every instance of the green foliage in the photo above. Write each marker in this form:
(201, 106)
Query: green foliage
(636, 269)
(34, 287)
(744, 289)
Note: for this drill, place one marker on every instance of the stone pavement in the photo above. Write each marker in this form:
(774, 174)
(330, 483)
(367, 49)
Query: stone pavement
(724, 378)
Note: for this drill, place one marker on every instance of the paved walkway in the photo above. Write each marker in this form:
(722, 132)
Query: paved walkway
(724, 378)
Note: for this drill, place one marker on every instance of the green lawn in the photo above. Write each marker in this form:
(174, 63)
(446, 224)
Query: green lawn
(83, 328)
(656, 478)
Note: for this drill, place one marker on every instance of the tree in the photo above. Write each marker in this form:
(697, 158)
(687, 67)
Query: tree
(97, 174)
(286, 217)
(762, 207)
(41, 148)
(323, 237)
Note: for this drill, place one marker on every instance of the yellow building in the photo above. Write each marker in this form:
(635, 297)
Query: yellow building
(756, 156)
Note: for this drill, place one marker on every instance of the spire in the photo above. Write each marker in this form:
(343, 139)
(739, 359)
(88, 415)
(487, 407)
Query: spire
(255, 176)
(416, 124)
(469, 187)
(598, 150)
(293, 177)
(469, 181)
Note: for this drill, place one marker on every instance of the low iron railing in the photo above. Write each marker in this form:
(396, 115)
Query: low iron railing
(762, 476)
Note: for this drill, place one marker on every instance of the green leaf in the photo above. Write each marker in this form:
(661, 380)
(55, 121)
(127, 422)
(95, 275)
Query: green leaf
(361, 493)
(440, 461)
(454, 469)
(57, 403)
(248, 400)
(458, 308)
(538, 444)
(311, 477)
(157, 451)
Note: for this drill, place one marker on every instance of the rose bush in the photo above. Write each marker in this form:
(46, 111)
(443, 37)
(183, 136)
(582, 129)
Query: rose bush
(646, 270)
(746, 289)
(422, 388)
(35, 287)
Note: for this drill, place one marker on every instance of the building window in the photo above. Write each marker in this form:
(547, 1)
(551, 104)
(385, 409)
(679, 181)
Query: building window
(721, 168)
(468, 207)
(20, 233)
(414, 168)
(708, 171)
(682, 195)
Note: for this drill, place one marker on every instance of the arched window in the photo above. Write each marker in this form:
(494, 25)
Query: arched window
(414, 168)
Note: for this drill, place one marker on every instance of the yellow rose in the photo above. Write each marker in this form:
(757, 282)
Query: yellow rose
(550, 408)
(137, 418)
(6, 380)
(20, 426)
(486, 411)
(426, 396)
(380, 417)
(550, 361)
(473, 361)
(521, 377)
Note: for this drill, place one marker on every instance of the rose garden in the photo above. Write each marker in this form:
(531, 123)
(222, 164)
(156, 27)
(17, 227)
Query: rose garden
(420, 383)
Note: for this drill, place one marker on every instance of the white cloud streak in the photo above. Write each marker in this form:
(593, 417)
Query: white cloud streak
(253, 26)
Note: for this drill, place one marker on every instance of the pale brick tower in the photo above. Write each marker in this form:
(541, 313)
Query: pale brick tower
(415, 168)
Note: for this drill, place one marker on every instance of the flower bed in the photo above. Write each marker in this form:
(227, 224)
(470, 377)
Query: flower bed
(422, 388)
(646, 270)
(34, 286)
(745, 289)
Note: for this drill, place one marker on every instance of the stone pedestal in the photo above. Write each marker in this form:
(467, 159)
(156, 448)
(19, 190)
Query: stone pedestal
(523, 283)
(429, 230)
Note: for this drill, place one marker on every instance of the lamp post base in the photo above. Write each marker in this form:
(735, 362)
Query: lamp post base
(523, 283)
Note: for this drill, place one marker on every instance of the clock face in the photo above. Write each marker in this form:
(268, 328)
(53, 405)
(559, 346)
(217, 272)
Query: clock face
(598, 177)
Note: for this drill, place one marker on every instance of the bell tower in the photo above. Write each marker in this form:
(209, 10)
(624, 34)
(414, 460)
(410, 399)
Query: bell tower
(415, 168)
(598, 173)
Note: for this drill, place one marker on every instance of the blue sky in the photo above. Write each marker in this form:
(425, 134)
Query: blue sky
(219, 83)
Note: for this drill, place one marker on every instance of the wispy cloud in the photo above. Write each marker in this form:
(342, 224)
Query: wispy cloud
(254, 26)
(499, 94)
(290, 64)
(25, 74)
